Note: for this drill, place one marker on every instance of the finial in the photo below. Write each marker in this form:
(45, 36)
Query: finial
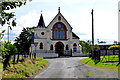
(59, 9)
(41, 11)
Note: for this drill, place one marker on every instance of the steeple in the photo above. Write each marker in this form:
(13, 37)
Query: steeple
(41, 23)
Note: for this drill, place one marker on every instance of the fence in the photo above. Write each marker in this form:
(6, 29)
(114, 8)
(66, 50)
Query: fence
(98, 53)
(52, 53)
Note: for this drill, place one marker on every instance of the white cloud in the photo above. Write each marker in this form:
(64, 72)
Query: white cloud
(78, 14)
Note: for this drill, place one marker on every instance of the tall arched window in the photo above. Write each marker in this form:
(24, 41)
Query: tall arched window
(51, 47)
(41, 45)
(75, 47)
(67, 48)
(59, 31)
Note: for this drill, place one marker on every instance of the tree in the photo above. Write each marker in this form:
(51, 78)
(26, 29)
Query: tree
(8, 50)
(102, 42)
(9, 17)
(96, 47)
(115, 42)
(23, 42)
(86, 46)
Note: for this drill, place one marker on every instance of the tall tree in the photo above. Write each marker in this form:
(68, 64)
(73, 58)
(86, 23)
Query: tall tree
(23, 42)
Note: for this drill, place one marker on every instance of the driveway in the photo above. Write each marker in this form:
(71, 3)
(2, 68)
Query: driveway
(71, 67)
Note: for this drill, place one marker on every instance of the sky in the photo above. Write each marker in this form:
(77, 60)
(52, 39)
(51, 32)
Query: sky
(76, 12)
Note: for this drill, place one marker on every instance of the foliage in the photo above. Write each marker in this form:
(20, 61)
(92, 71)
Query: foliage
(86, 46)
(96, 47)
(2, 34)
(23, 42)
(8, 50)
(114, 47)
(9, 17)
(101, 42)
(26, 69)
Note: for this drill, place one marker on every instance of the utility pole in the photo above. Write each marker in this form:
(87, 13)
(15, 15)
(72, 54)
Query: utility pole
(92, 34)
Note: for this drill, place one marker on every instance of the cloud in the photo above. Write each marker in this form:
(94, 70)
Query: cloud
(77, 13)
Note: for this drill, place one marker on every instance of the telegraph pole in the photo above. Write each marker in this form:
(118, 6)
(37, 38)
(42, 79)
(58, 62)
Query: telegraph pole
(92, 33)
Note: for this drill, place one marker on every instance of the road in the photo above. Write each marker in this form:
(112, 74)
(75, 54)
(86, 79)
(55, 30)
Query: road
(71, 67)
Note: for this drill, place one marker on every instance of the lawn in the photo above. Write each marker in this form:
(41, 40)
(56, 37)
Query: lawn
(106, 62)
(25, 69)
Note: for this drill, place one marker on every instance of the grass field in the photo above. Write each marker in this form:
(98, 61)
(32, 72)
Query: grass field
(106, 62)
(25, 69)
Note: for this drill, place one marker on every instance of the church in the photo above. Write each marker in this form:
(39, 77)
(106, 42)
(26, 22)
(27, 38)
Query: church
(56, 38)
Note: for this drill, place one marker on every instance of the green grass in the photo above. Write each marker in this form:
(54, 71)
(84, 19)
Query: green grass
(1, 70)
(25, 69)
(103, 63)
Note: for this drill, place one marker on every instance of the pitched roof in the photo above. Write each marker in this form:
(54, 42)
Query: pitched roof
(62, 16)
(74, 36)
(41, 23)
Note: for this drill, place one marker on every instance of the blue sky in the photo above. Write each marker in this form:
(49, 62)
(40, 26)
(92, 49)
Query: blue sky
(77, 13)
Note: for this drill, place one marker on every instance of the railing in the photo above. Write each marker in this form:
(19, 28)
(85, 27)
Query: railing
(52, 51)
(43, 51)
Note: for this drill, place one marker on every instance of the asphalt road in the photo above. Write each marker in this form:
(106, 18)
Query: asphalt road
(71, 67)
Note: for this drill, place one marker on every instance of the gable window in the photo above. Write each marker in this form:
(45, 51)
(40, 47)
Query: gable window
(51, 47)
(59, 31)
(41, 45)
(59, 18)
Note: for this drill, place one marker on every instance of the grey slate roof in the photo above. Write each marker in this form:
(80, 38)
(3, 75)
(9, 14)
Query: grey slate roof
(41, 23)
(74, 36)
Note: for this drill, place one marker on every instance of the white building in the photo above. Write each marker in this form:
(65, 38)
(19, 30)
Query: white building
(57, 37)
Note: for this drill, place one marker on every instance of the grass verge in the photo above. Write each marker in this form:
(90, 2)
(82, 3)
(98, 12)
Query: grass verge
(1, 70)
(102, 64)
(25, 69)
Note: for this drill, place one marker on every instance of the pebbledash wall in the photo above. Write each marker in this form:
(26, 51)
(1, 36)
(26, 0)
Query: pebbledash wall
(57, 36)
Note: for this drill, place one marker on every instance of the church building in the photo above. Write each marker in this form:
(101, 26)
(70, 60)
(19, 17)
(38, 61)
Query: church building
(56, 38)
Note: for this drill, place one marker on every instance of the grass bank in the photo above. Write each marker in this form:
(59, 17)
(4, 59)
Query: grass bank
(25, 69)
(1, 70)
(108, 61)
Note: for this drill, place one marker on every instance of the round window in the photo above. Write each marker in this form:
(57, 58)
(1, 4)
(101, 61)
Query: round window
(42, 33)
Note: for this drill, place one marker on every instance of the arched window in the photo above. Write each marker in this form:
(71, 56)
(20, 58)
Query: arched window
(59, 18)
(74, 47)
(59, 31)
(51, 47)
(41, 45)
(67, 48)
(74, 44)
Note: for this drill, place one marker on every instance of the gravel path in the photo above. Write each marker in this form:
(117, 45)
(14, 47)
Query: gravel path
(71, 67)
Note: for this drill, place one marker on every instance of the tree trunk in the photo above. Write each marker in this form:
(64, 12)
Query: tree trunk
(14, 58)
(18, 57)
(6, 62)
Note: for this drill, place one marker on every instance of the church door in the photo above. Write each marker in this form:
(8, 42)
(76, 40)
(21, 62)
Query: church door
(59, 48)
